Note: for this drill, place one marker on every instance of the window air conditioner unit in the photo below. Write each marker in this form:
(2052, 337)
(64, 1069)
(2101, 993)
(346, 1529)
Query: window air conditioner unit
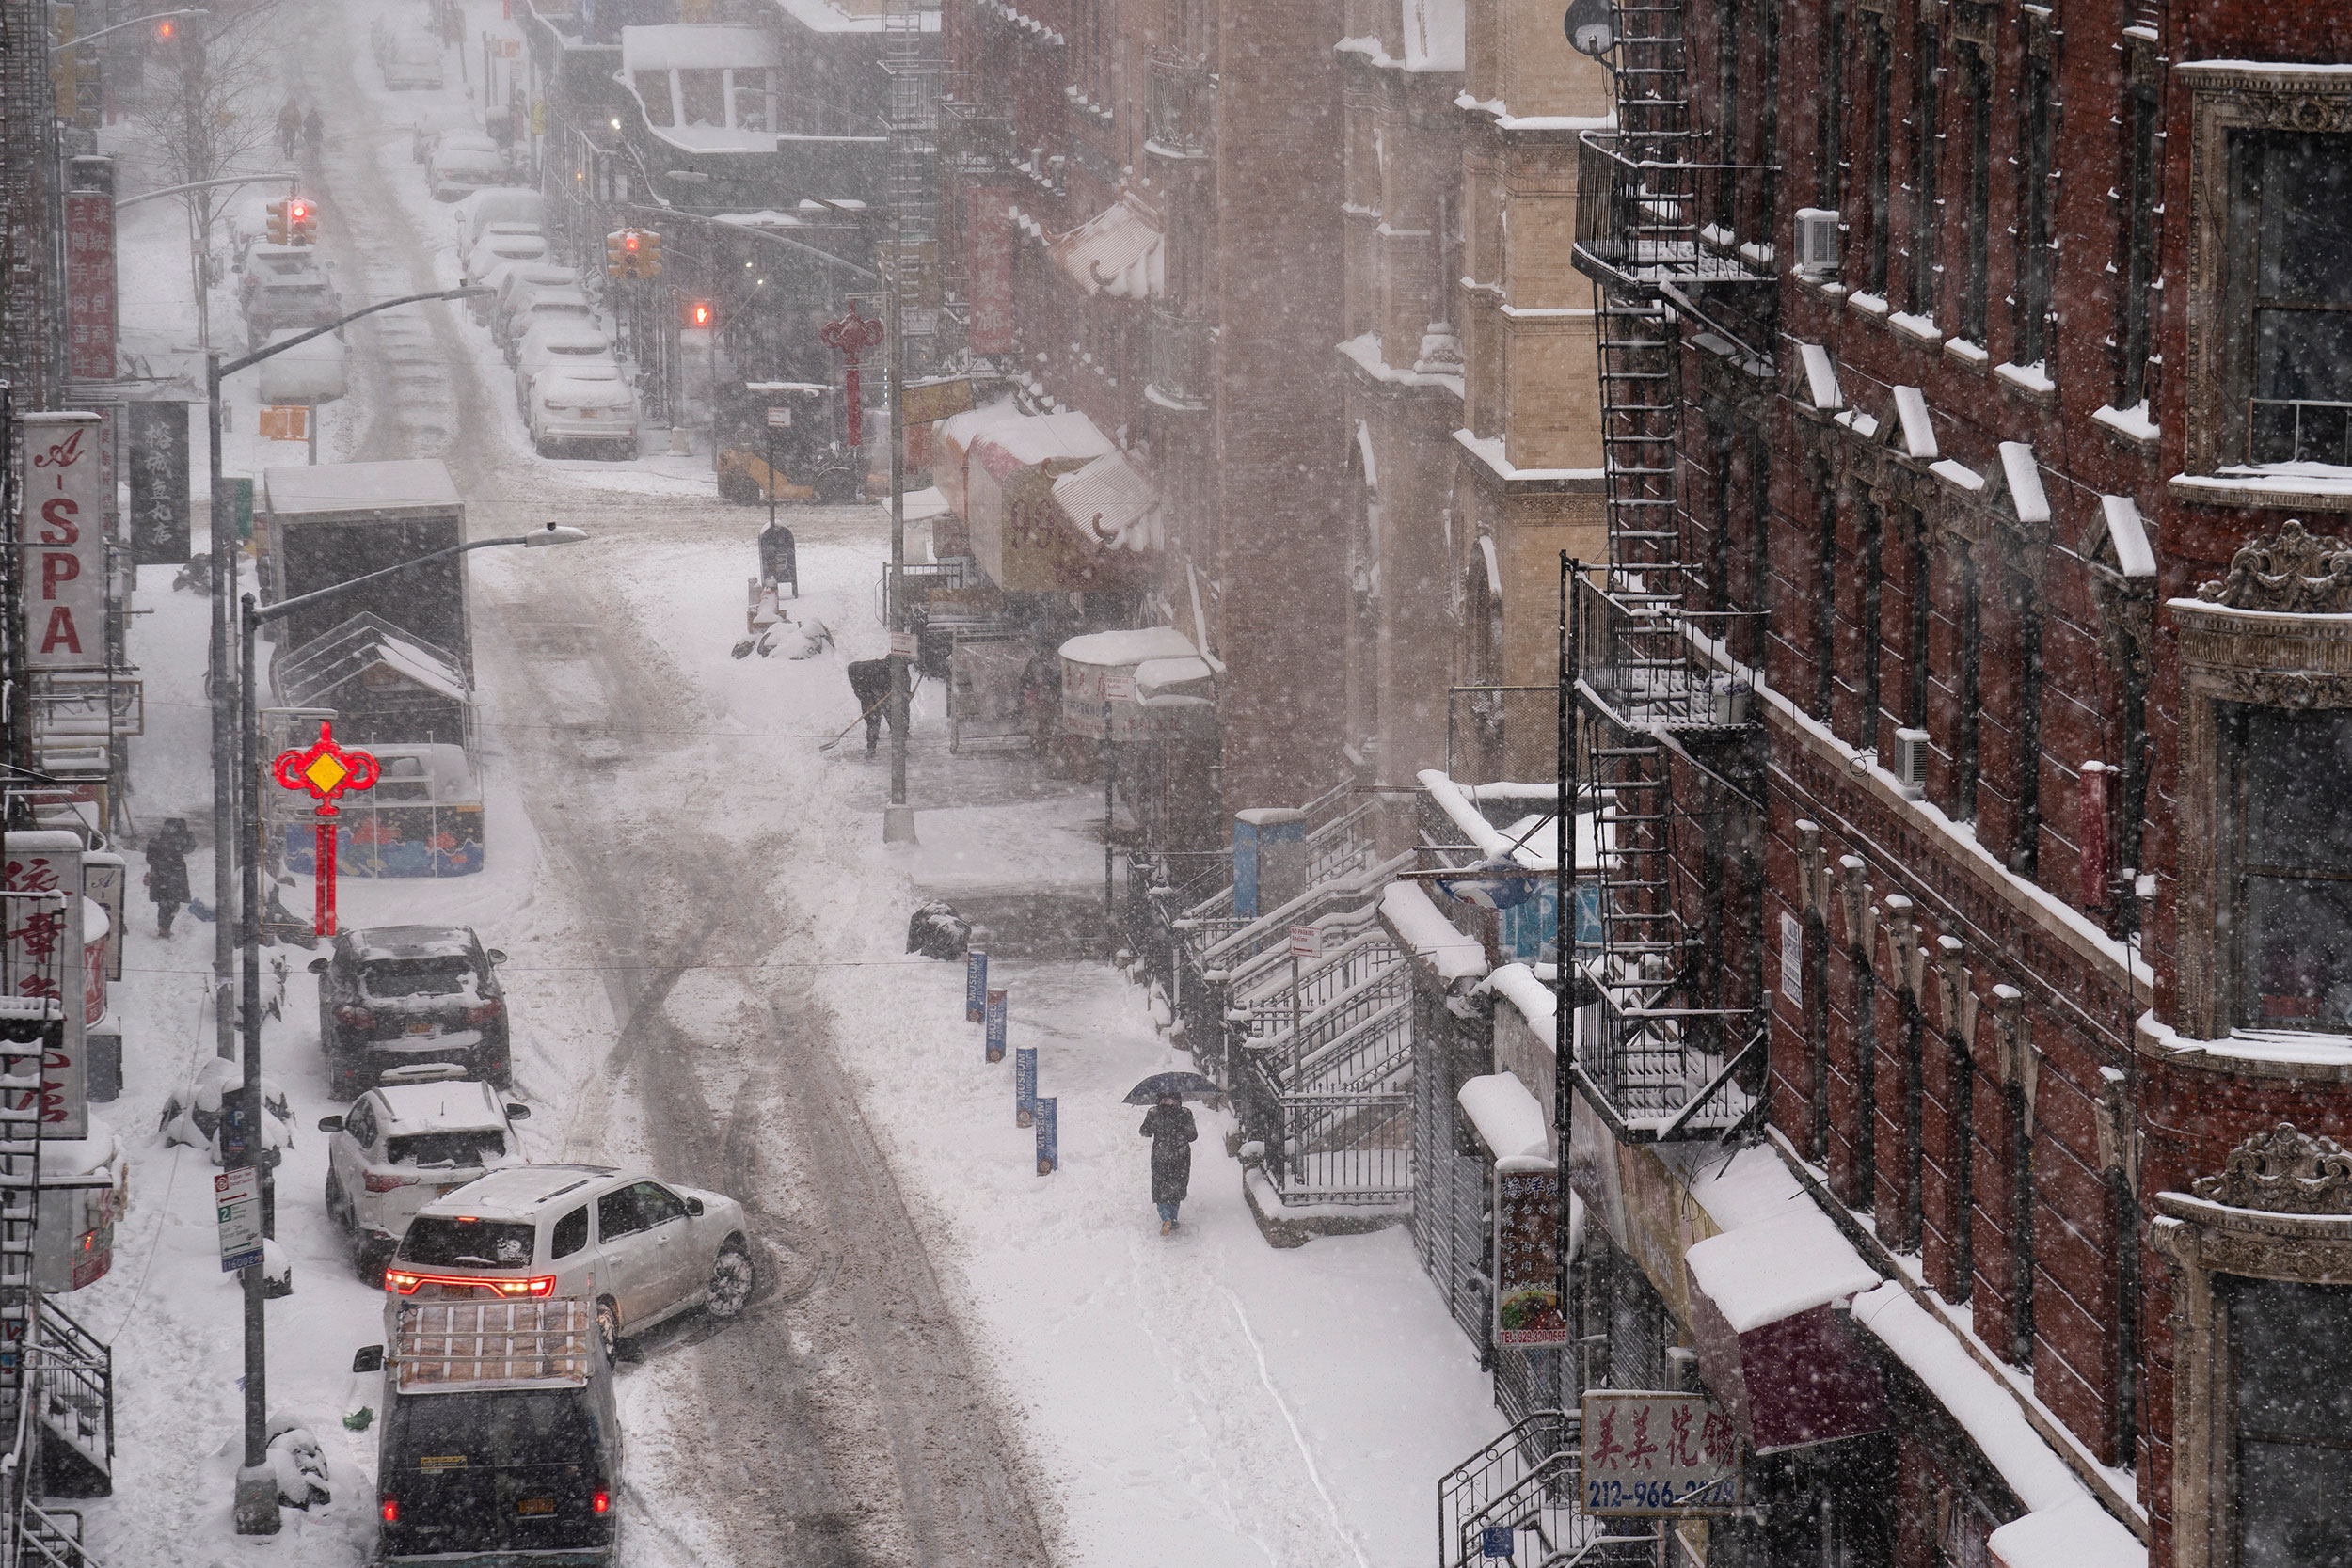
(1911, 762)
(1817, 241)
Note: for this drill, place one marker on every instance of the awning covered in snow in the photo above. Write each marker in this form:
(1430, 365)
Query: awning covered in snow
(1023, 537)
(1119, 252)
(1516, 1129)
(1104, 678)
(1786, 1366)
(1110, 503)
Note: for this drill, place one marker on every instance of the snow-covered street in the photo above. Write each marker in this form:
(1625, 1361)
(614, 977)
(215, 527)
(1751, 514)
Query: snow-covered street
(951, 1360)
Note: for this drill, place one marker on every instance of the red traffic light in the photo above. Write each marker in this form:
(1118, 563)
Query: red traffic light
(629, 240)
(164, 30)
(298, 210)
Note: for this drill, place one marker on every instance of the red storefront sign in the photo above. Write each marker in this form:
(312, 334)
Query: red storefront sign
(989, 260)
(63, 539)
(90, 286)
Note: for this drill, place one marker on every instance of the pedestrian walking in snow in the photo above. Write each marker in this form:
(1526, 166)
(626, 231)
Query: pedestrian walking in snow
(313, 131)
(167, 870)
(1170, 1128)
(289, 127)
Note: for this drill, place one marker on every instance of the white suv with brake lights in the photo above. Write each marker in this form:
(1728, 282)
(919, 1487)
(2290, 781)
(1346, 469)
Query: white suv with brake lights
(404, 1143)
(643, 1250)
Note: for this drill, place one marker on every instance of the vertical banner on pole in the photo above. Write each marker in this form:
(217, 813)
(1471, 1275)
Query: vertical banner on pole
(1048, 1138)
(90, 273)
(975, 983)
(996, 1024)
(1024, 1084)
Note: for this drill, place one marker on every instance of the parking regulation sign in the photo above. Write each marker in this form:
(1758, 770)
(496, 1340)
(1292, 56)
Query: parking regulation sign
(237, 1202)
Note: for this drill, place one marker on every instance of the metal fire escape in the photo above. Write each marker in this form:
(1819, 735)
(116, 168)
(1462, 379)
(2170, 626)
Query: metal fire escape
(31, 302)
(912, 63)
(1662, 705)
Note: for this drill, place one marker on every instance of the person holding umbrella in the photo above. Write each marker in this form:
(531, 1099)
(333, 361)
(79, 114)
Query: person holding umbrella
(1170, 1128)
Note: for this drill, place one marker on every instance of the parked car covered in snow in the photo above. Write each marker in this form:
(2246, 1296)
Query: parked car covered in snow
(568, 306)
(516, 281)
(583, 406)
(412, 60)
(561, 347)
(275, 300)
(392, 996)
(425, 140)
(402, 1145)
(642, 1250)
(455, 172)
(475, 213)
(502, 247)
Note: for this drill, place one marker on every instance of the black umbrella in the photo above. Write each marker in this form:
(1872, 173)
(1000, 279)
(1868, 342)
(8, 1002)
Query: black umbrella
(1184, 1086)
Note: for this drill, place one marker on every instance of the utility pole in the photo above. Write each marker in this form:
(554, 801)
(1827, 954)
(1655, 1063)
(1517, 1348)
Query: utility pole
(223, 686)
(201, 219)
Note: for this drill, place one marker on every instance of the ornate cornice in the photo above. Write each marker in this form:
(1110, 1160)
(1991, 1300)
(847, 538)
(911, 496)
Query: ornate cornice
(2293, 570)
(2283, 1172)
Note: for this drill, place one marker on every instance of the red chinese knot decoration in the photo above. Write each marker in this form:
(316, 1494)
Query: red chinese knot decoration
(326, 772)
(850, 336)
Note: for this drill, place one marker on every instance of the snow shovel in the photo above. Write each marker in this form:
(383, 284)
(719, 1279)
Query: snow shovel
(878, 702)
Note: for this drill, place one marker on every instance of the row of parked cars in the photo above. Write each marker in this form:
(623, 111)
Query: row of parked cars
(510, 1287)
(408, 56)
(568, 382)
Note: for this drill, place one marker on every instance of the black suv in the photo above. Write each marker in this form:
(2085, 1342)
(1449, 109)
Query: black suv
(401, 996)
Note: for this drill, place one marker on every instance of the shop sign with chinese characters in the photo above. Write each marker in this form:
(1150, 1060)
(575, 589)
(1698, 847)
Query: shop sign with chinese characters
(1657, 1453)
(40, 958)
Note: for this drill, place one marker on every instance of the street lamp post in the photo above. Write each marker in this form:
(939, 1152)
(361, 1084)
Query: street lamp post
(257, 1484)
(223, 674)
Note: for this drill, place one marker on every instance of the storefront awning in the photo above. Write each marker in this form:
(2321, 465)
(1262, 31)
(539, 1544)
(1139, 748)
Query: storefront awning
(1104, 680)
(1516, 1129)
(1784, 1364)
(1119, 252)
(1110, 503)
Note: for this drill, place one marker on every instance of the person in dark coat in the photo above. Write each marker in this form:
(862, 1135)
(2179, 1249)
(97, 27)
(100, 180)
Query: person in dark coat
(1170, 1128)
(870, 683)
(167, 870)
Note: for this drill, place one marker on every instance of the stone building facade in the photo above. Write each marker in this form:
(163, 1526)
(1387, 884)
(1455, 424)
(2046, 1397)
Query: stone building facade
(1471, 400)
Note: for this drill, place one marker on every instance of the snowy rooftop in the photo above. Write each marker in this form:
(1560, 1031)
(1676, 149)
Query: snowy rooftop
(407, 483)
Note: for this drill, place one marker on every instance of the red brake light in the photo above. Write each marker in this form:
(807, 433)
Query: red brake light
(389, 1184)
(486, 1013)
(355, 1017)
(604, 1503)
(402, 1282)
(391, 1509)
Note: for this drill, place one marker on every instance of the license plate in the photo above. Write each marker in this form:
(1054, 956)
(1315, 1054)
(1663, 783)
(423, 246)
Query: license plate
(535, 1505)
(592, 413)
(420, 1027)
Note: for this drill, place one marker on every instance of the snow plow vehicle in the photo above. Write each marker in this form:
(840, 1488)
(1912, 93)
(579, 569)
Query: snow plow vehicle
(500, 1441)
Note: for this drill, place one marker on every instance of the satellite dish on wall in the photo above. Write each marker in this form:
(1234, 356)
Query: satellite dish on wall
(1591, 26)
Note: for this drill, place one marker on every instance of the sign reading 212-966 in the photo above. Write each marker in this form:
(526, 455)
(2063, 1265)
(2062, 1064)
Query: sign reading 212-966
(1644, 1453)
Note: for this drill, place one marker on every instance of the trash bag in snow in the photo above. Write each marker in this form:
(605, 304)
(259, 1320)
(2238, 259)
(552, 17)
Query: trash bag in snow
(936, 931)
(299, 1463)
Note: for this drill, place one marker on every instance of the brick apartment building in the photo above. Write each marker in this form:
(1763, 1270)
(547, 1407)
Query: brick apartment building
(1996, 810)
(1139, 203)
